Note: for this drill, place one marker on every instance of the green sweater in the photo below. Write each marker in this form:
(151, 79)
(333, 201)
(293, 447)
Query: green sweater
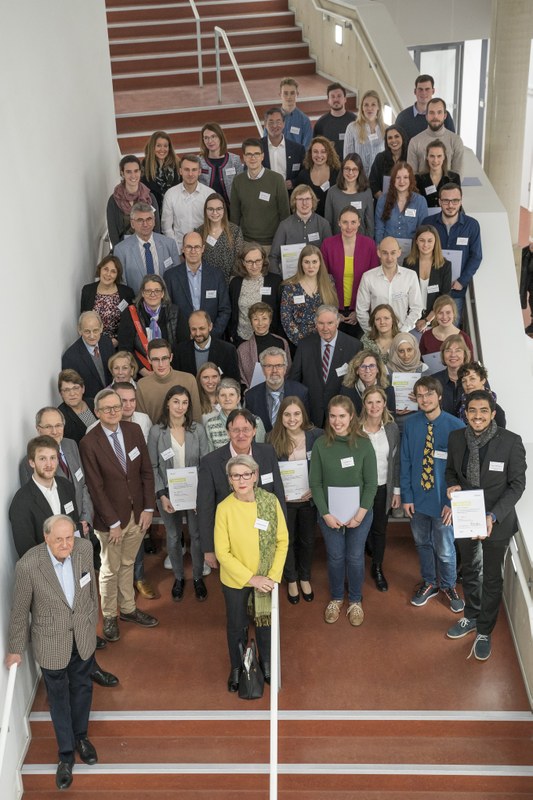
(259, 217)
(327, 470)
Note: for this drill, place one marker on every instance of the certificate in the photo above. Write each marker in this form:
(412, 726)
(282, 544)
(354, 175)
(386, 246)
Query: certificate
(403, 383)
(456, 258)
(343, 502)
(468, 514)
(295, 478)
(182, 487)
(434, 362)
(258, 376)
(289, 258)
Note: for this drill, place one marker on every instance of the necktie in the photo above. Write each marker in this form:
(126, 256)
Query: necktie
(149, 261)
(325, 362)
(119, 452)
(427, 480)
(64, 466)
(96, 352)
(99, 365)
(275, 406)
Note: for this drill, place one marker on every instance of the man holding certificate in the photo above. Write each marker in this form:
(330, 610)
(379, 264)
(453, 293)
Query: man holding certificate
(484, 456)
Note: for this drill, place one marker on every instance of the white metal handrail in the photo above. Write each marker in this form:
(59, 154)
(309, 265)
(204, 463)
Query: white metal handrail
(198, 43)
(275, 684)
(220, 33)
(7, 712)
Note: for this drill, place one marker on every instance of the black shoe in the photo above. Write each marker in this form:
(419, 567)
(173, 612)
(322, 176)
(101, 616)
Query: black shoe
(293, 598)
(87, 751)
(63, 775)
(200, 590)
(379, 578)
(149, 546)
(233, 680)
(100, 643)
(140, 617)
(103, 678)
(307, 596)
(265, 666)
(111, 631)
(177, 589)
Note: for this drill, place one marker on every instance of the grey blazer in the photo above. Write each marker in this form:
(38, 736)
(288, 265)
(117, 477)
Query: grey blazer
(129, 254)
(54, 624)
(159, 440)
(393, 466)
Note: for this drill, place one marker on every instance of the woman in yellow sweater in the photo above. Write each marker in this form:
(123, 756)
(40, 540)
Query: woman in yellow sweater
(251, 542)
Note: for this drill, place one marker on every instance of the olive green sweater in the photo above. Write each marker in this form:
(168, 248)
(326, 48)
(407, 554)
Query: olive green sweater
(327, 470)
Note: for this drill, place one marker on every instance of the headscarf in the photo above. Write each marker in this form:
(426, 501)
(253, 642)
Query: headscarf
(395, 364)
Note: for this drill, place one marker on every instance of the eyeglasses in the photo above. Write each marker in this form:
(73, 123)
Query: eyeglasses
(162, 360)
(258, 262)
(110, 409)
(368, 367)
(350, 169)
(143, 220)
(253, 155)
(71, 389)
(273, 366)
(420, 396)
(193, 247)
(242, 476)
(450, 202)
(153, 291)
(58, 427)
(217, 210)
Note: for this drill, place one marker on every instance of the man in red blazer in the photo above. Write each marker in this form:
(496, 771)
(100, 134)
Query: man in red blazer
(119, 475)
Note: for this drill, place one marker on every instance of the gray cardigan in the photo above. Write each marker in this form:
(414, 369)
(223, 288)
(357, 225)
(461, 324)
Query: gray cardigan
(159, 440)
(294, 231)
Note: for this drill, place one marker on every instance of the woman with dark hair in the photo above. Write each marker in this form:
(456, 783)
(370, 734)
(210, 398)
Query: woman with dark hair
(253, 284)
(129, 191)
(293, 437)
(151, 316)
(160, 165)
(474, 377)
(320, 169)
(77, 410)
(177, 442)
(402, 209)
(218, 167)
(365, 370)
(208, 378)
(383, 327)
(395, 150)
(108, 296)
(248, 352)
(222, 239)
(351, 190)
(435, 173)
(434, 272)
(303, 225)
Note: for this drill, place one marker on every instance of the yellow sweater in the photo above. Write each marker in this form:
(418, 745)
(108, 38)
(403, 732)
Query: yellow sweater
(237, 542)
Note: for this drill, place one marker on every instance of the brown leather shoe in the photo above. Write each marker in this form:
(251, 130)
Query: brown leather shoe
(140, 617)
(111, 631)
(144, 588)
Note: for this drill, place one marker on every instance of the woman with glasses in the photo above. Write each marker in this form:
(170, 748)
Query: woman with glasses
(304, 225)
(218, 167)
(352, 189)
(453, 354)
(253, 283)
(106, 295)
(365, 370)
(222, 239)
(76, 409)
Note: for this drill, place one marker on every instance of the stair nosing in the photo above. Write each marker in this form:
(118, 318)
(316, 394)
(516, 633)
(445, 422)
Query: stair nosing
(180, 37)
(216, 20)
(147, 56)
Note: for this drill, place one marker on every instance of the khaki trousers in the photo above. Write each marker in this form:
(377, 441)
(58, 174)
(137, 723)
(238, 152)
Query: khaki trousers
(116, 572)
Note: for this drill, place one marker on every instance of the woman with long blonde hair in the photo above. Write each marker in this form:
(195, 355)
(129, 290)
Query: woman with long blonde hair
(365, 135)
(302, 294)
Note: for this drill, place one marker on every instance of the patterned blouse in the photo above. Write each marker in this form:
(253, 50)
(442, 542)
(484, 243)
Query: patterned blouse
(106, 305)
(297, 318)
(222, 254)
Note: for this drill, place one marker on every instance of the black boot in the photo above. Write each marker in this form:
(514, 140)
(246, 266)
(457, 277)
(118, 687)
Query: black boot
(379, 578)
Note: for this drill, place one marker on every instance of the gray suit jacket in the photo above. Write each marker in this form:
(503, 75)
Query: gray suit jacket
(54, 624)
(159, 441)
(129, 255)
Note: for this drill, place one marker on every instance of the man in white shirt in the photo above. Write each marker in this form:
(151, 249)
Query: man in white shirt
(282, 155)
(392, 284)
(183, 205)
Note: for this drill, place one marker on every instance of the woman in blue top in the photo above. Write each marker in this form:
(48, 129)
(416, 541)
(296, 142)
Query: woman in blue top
(402, 209)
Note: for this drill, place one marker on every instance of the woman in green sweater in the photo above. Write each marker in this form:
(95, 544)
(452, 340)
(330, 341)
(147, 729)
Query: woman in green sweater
(343, 458)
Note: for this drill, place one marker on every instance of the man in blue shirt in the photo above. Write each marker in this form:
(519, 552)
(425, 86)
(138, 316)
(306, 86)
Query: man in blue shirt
(424, 451)
(297, 124)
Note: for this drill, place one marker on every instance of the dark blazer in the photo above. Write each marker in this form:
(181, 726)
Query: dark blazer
(78, 357)
(270, 280)
(218, 307)
(423, 182)
(88, 295)
(307, 369)
(502, 489)
(74, 427)
(353, 393)
(294, 153)
(213, 485)
(255, 399)
(29, 509)
(221, 353)
(173, 324)
(116, 494)
(437, 277)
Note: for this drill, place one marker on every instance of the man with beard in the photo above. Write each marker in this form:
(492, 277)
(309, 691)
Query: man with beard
(436, 116)
(265, 399)
(203, 347)
(333, 124)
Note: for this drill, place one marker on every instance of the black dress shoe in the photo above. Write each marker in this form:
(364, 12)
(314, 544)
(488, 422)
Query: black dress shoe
(149, 546)
(200, 589)
(111, 631)
(103, 678)
(140, 617)
(265, 666)
(177, 589)
(100, 643)
(379, 578)
(307, 596)
(293, 598)
(87, 751)
(63, 775)
(233, 680)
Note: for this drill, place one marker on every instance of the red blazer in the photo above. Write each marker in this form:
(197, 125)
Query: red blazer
(115, 493)
(365, 258)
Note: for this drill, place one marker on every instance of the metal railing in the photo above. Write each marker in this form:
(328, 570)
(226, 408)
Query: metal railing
(220, 33)
(7, 712)
(275, 685)
(198, 43)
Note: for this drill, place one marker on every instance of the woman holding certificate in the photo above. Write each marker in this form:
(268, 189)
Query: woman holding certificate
(405, 366)
(366, 369)
(178, 443)
(343, 480)
(293, 437)
(250, 544)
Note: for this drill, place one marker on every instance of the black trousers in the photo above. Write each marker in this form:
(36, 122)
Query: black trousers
(301, 524)
(237, 621)
(482, 566)
(376, 537)
(70, 692)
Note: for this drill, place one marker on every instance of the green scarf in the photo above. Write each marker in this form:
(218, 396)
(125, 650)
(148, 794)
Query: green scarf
(260, 603)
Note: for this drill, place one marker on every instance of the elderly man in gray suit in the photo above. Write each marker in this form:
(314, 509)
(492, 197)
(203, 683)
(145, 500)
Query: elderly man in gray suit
(55, 582)
(145, 252)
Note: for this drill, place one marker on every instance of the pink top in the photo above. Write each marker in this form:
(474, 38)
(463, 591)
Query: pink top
(365, 257)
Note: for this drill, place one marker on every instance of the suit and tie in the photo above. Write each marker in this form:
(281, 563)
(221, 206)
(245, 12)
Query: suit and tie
(133, 263)
(221, 353)
(294, 155)
(29, 509)
(77, 357)
(256, 401)
(214, 297)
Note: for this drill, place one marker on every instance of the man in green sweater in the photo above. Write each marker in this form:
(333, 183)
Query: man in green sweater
(259, 199)
(152, 390)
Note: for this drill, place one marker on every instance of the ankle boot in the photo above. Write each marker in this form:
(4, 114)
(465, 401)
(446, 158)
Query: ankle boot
(379, 578)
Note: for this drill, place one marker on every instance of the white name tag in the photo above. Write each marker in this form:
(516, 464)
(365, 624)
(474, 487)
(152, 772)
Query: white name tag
(342, 370)
(462, 240)
(356, 204)
(433, 288)
(264, 196)
(69, 507)
(431, 189)
(85, 579)
(325, 186)
(372, 137)
(347, 462)
(308, 454)
(410, 212)
(134, 453)
(496, 466)
(294, 129)
(314, 237)
(122, 305)
(261, 524)
(211, 240)
(267, 478)
(79, 474)
(210, 294)
(266, 290)
(298, 299)
(168, 453)
(341, 137)
(296, 167)
(167, 262)
(230, 170)
(440, 454)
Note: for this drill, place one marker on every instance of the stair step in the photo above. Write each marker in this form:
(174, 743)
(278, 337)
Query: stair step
(176, 44)
(188, 27)
(182, 11)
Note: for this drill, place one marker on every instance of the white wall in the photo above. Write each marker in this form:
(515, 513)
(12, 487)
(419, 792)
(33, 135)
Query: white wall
(437, 21)
(59, 164)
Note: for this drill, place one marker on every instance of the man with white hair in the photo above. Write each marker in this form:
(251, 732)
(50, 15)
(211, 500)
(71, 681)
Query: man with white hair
(90, 353)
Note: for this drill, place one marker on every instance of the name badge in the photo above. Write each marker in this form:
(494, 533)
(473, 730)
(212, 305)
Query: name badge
(298, 299)
(267, 478)
(496, 466)
(266, 290)
(85, 579)
(264, 196)
(462, 240)
(356, 204)
(122, 305)
(296, 167)
(211, 240)
(342, 137)
(261, 524)
(134, 453)
(440, 454)
(314, 237)
(325, 186)
(410, 212)
(433, 288)
(294, 129)
(347, 462)
(372, 137)
(79, 474)
(308, 454)
(342, 370)
(69, 507)
(210, 294)
(167, 262)
(431, 189)
(168, 453)
(230, 170)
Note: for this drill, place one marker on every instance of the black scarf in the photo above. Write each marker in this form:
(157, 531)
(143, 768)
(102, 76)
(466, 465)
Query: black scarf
(474, 444)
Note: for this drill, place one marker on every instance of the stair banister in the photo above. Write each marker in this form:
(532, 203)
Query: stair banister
(220, 33)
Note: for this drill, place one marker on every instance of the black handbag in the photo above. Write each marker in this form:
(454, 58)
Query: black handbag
(251, 680)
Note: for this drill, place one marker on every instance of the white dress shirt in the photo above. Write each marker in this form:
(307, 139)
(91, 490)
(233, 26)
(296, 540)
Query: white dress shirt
(402, 293)
(183, 211)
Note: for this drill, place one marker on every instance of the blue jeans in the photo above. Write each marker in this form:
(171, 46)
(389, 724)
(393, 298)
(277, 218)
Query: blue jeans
(345, 548)
(436, 550)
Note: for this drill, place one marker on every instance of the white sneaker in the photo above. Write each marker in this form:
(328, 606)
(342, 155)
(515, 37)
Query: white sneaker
(166, 563)
(206, 570)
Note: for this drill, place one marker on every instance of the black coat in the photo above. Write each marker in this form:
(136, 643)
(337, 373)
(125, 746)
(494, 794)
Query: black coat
(223, 354)
(74, 427)
(88, 295)
(174, 329)
(271, 280)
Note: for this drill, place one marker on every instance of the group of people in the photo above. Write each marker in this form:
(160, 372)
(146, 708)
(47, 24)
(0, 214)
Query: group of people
(263, 372)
